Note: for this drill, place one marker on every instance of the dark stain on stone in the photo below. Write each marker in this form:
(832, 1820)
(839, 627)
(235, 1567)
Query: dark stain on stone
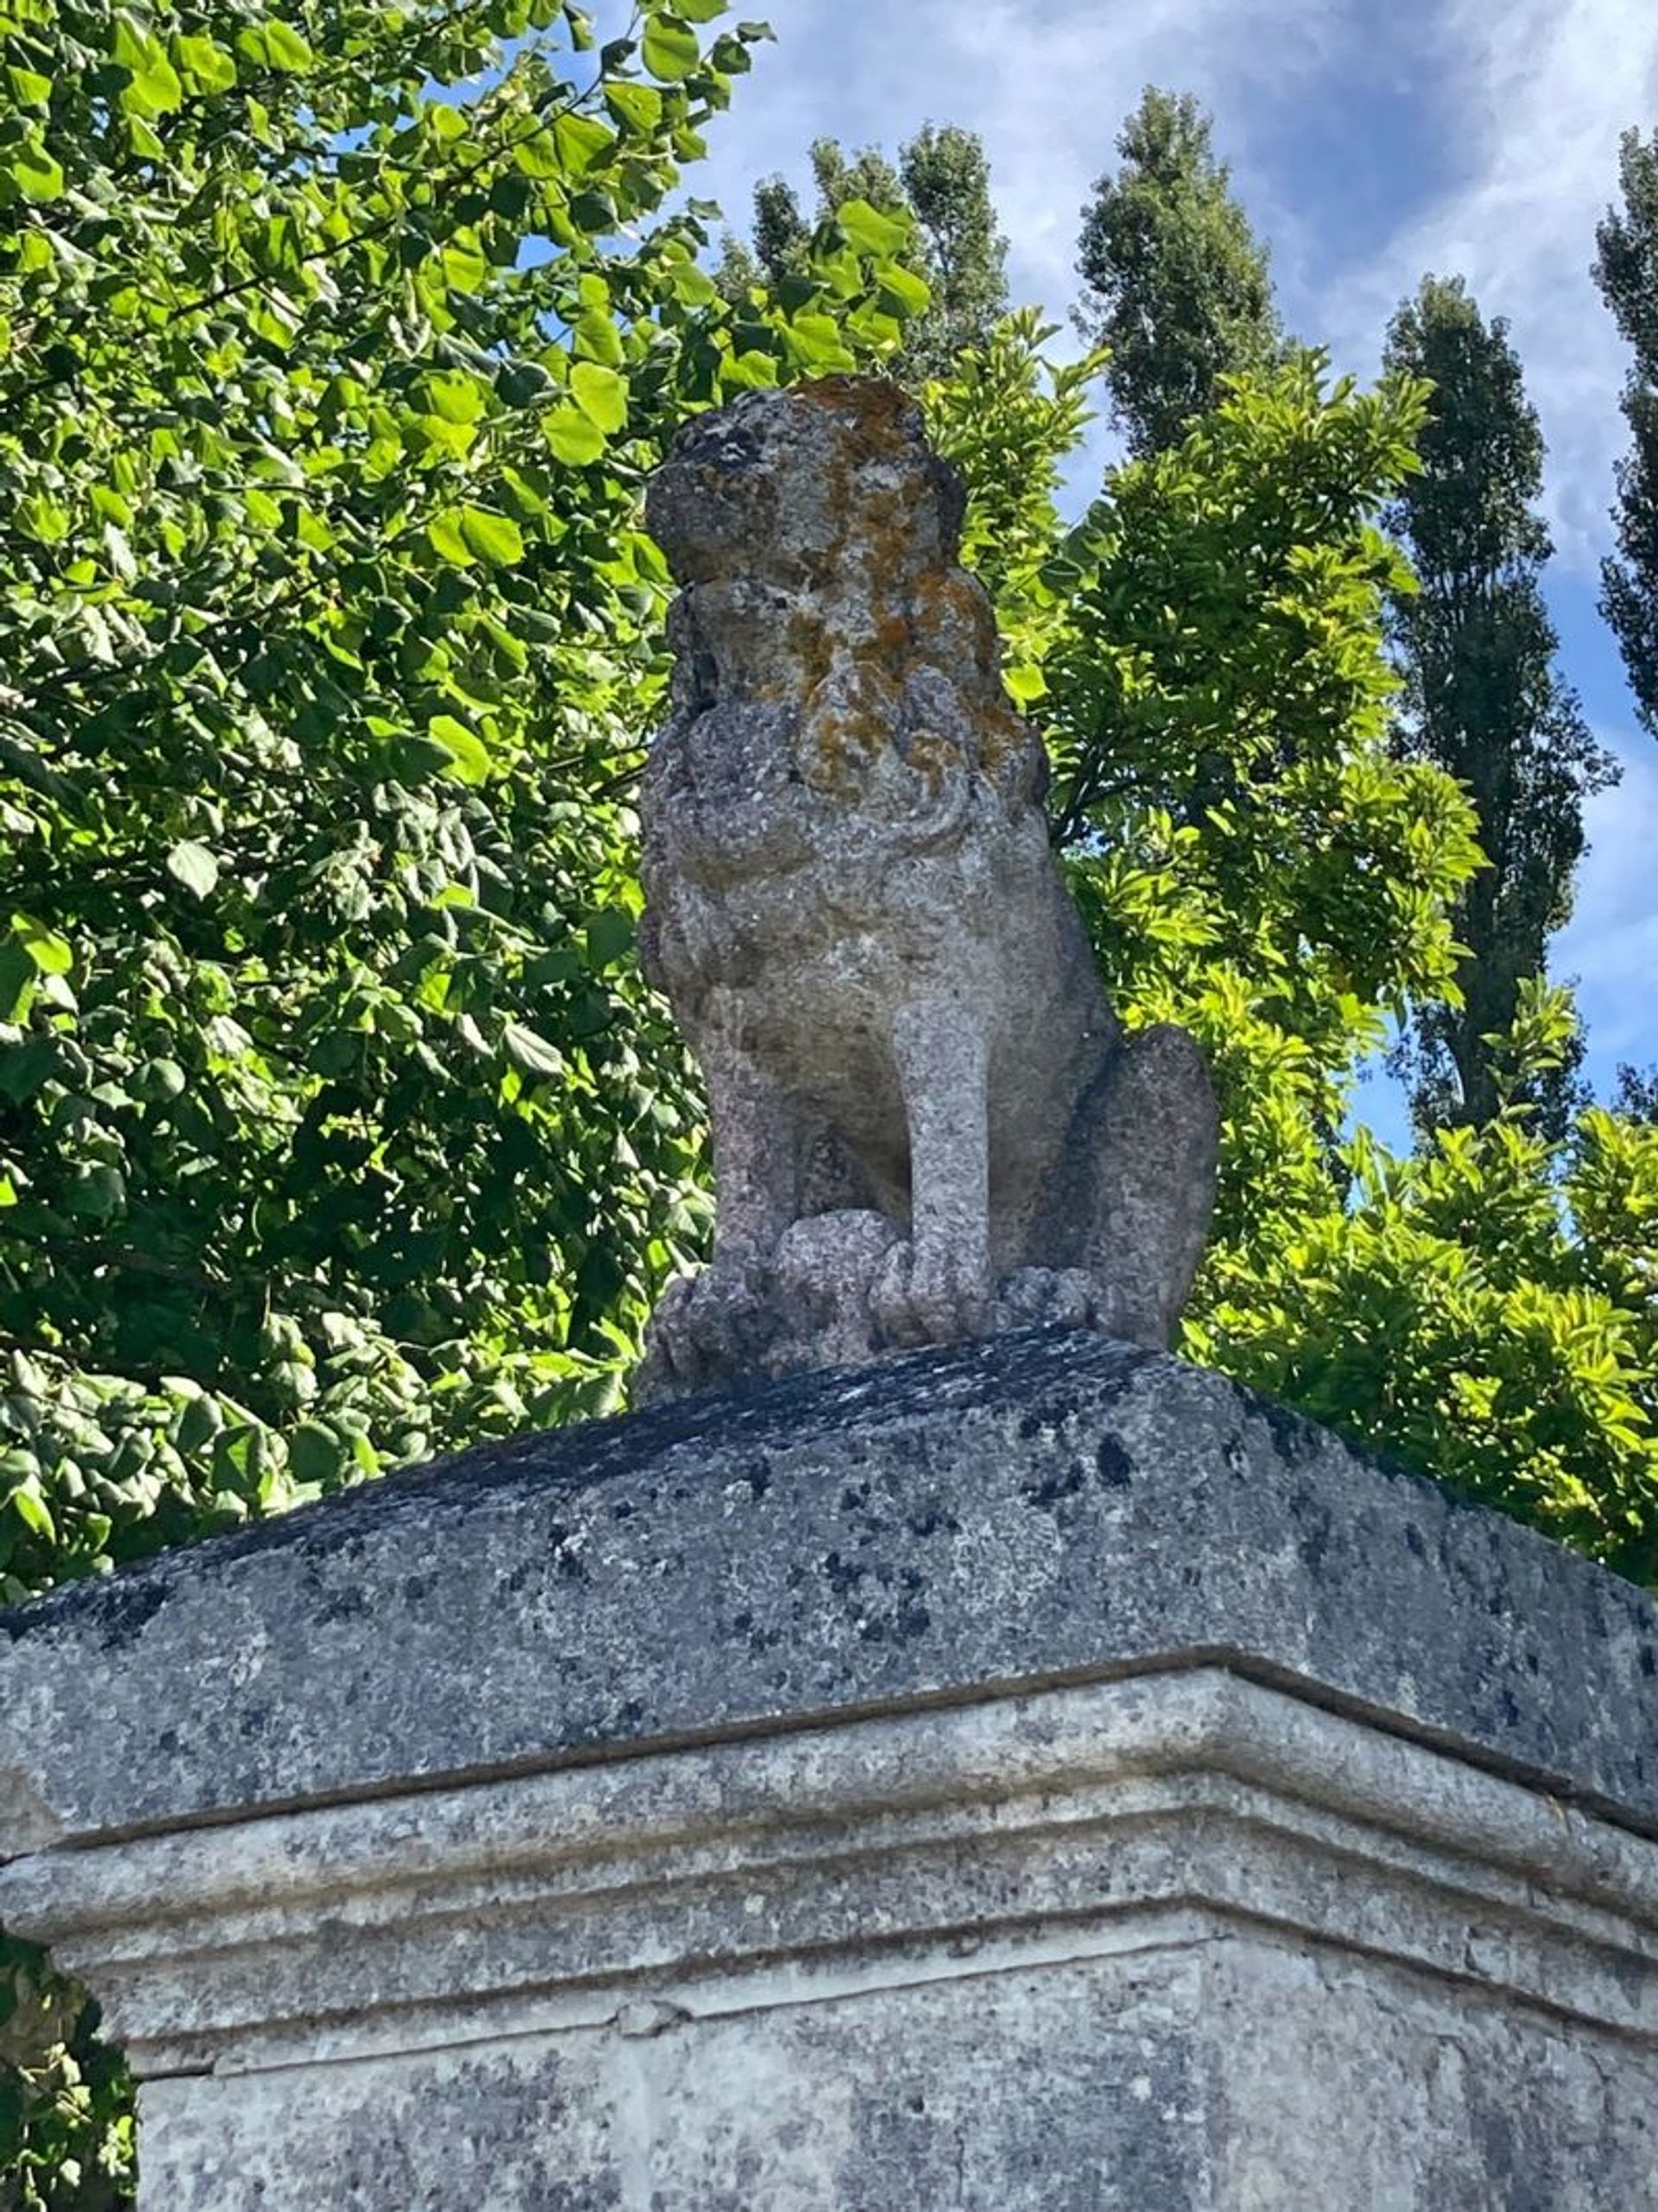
(842, 1576)
(128, 1604)
(1050, 1490)
(340, 1602)
(1113, 1465)
(1313, 1530)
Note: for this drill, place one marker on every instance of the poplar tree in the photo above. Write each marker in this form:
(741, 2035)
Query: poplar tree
(1175, 282)
(1482, 696)
(942, 181)
(1626, 270)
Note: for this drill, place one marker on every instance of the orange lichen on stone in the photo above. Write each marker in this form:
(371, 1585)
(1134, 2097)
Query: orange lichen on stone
(931, 756)
(877, 407)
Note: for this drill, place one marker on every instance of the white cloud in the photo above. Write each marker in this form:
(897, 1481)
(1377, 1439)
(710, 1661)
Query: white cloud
(1534, 94)
(1045, 83)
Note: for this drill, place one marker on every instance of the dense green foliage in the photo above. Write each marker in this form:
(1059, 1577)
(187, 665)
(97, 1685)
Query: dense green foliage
(1482, 695)
(1626, 270)
(335, 1126)
(942, 182)
(1486, 1310)
(1175, 282)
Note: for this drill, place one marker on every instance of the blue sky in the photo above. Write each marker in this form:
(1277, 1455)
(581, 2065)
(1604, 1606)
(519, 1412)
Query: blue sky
(1370, 144)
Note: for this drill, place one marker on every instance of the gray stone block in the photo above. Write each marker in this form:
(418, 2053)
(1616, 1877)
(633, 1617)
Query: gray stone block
(1034, 1778)
(1044, 1507)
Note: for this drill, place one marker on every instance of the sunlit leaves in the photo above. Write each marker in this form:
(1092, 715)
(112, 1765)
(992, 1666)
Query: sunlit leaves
(601, 395)
(574, 436)
(36, 174)
(669, 48)
(493, 537)
(468, 757)
(192, 864)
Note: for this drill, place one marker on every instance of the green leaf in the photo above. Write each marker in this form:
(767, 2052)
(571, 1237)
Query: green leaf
(96, 1192)
(469, 758)
(193, 865)
(157, 1080)
(212, 69)
(315, 1454)
(35, 174)
(286, 48)
(29, 88)
(639, 107)
(692, 286)
(51, 953)
(750, 372)
(414, 760)
(33, 1511)
(573, 435)
(581, 140)
(457, 395)
(869, 230)
(601, 395)
(495, 538)
(908, 293)
(609, 935)
(154, 87)
(1024, 682)
(19, 980)
(448, 539)
(465, 264)
(669, 49)
(597, 338)
(531, 1054)
(24, 1067)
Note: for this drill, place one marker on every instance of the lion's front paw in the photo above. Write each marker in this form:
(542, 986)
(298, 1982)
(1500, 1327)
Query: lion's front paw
(921, 1297)
(706, 1327)
(1049, 1297)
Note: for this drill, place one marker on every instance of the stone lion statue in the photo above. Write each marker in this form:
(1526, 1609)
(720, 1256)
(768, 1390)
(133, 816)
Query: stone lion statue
(926, 1122)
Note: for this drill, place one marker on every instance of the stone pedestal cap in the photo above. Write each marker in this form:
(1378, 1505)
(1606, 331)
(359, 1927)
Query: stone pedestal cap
(1044, 1511)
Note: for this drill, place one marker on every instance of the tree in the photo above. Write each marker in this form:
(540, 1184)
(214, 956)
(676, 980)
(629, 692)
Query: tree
(1482, 696)
(1175, 283)
(943, 182)
(1487, 1311)
(336, 1126)
(1626, 270)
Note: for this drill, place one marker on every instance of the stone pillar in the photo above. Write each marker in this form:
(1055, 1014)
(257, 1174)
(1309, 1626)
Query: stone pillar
(1035, 1778)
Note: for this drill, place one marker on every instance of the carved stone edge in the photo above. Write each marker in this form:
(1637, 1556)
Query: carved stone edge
(793, 1869)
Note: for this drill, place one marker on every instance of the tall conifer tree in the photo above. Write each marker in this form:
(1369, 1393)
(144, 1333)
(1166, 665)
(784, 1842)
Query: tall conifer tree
(1482, 696)
(1626, 270)
(1175, 282)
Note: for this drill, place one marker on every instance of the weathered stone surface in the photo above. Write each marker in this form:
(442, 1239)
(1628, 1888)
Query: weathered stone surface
(1175, 1943)
(1037, 1775)
(926, 1121)
(1047, 1506)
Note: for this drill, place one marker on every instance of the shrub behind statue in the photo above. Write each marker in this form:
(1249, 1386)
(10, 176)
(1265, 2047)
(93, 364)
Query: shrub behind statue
(928, 1124)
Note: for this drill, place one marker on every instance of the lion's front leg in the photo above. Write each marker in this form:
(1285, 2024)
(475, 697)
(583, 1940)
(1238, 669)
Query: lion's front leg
(935, 1288)
(721, 1321)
